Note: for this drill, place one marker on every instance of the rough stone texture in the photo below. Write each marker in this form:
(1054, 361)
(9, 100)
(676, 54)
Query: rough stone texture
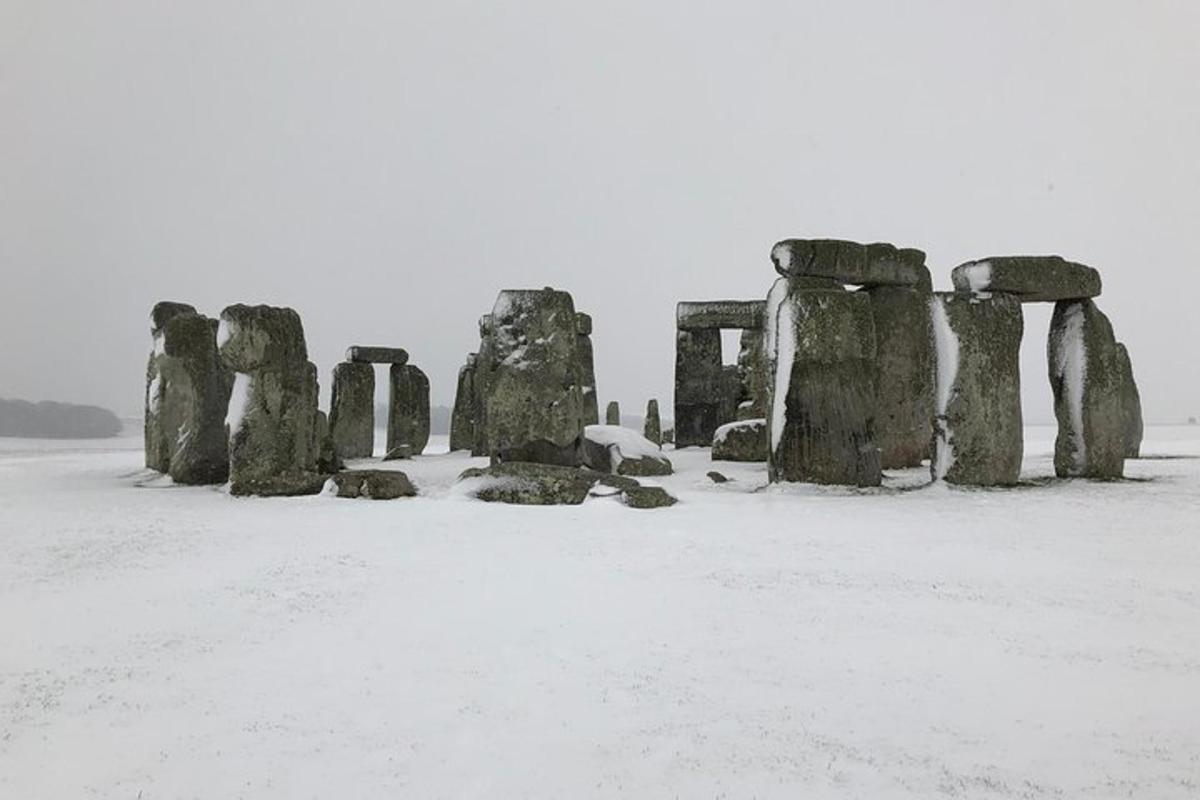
(702, 315)
(745, 440)
(261, 337)
(612, 413)
(166, 310)
(904, 375)
(609, 458)
(1132, 405)
(273, 447)
(821, 425)
(328, 459)
(669, 436)
(187, 396)
(733, 394)
(377, 355)
(289, 484)
(534, 402)
(408, 410)
(352, 410)
(878, 264)
(647, 497)
(373, 484)
(977, 432)
(485, 366)
(652, 427)
(698, 373)
(462, 419)
(752, 362)
(587, 369)
(1031, 278)
(523, 483)
(1088, 381)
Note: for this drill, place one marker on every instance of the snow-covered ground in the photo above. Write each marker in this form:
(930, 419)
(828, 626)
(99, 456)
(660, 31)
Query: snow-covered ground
(168, 642)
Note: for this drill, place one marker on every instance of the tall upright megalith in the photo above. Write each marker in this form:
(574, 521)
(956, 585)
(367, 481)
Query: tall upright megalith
(652, 425)
(155, 440)
(612, 413)
(352, 409)
(903, 374)
(462, 417)
(587, 369)
(1131, 404)
(408, 410)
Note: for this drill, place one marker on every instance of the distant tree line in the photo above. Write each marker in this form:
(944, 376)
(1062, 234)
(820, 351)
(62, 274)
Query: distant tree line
(49, 420)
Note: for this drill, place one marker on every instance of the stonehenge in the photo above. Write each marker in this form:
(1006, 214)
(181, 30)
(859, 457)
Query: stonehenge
(462, 418)
(587, 369)
(352, 409)
(652, 426)
(408, 409)
(612, 413)
(1131, 404)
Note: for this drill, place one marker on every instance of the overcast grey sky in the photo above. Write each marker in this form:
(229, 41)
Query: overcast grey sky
(387, 167)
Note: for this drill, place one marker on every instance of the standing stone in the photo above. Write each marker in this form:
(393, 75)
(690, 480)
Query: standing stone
(698, 382)
(904, 374)
(977, 433)
(328, 460)
(1132, 405)
(821, 350)
(1088, 380)
(485, 366)
(587, 369)
(352, 410)
(187, 400)
(534, 402)
(612, 413)
(156, 443)
(652, 428)
(462, 420)
(753, 365)
(272, 409)
(733, 394)
(408, 410)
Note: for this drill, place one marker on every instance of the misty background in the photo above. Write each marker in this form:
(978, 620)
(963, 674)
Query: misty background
(386, 168)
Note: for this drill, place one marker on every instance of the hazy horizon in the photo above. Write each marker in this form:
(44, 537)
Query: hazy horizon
(387, 168)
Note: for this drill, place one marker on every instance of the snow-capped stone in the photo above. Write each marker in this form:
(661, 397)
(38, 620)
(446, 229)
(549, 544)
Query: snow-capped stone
(1031, 278)
(878, 264)
(744, 440)
(621, 451)
(373, 484)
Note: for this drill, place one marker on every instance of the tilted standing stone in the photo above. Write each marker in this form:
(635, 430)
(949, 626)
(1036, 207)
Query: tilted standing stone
(612, 413)
(408, 412)
(462, 419)
(698, 376)
(1132, 404)
(188, 398)
(587, 369)
(272, 422)
(1088, 380)
(904, 374)
(977, 432)
(652, 428)
(352, 409)
(534, 406)
(821, 351)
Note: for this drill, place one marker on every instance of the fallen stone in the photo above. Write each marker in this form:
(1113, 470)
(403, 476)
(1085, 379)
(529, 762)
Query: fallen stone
(878, 264)
(745, 440)
(287, 484)
(352, 410)
(398, 453)
(1031, 279)
(408, 411)
(522, 483)
(1132, 405)
(717, 477)
(652, 427)
(613, 449)
(373, 484)
(377, 355)
(1088, 381)
(647, 497)
(691, 315)
(977, 432)
(903, 375)
(612, 413)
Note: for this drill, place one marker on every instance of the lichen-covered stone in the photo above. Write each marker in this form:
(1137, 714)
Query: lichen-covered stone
(977, 431)
(373, 484)
(878, 264)
(1131, 404)
(744, 440)
(377, 355)
(647, 497)
(821, 355)
(524, 483)
(485, 367)
(903, 376)
(1030, 278)
(352, 410)
(287, 484)
(752, 363)
(587, 369)
(328, 460)
(534, 402)
(187, 396)
(733, 394)
(652, 426)
(690, 315)
(612, 413)
(261, 337)
(272, 431)
(617, 450)
(698, 384)
(408, 411)
(462, 418)
(1088, 381)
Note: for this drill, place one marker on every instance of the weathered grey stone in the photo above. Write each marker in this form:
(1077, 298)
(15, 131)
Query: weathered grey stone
(702, 315)
(668, 436)
(977, 431)
(261, 337)
(166, 310)
(408, 411)
(524, 483)
(1088, 381)
(1031, 278)
(716, 477)
(612, 413)
(647, 497)
(374, 484)
(328, 460)
(462, 419)
(534, 400)
(485, 366)
(617, 450)
(1132, 405)
(821, 349)
(904, 374)
(583, 323)
(652, 426)
(352, 410)
(733, 394)
(745, 440)
(398, 453)
(272, 432)
(288, 484)
(878, 264)
(752, 362)
(587, 369)
(698, 382)
(377, 355)
(187, 397)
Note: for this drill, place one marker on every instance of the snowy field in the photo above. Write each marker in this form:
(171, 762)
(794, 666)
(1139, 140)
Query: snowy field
(798, 642)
